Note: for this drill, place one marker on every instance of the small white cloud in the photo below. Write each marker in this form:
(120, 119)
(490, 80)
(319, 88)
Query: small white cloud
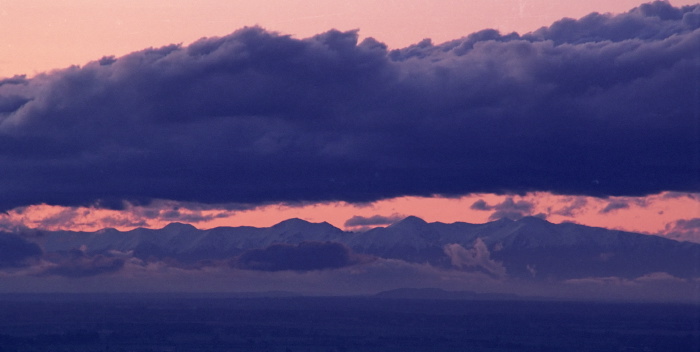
(477, 257)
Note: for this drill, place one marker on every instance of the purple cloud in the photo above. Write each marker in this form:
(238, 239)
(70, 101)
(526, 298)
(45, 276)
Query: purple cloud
(15, 251)
(361, 221)
(684, 230)
(304, 256)
(481, 205)
(690, 224)
(614, 205)
(598, 106)
(507, 209)
(570, 209)
(76, 264)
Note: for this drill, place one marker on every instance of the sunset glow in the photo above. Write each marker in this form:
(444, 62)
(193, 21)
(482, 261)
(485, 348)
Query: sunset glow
(41, 35)
(656, 214)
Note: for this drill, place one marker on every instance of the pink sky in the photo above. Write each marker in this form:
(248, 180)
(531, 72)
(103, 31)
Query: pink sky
(40, 35)
(654, 214)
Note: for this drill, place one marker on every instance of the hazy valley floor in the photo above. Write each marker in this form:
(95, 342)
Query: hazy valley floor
(214, 323)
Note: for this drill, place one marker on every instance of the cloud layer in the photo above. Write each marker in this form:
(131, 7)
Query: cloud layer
(16, 251)
(304, 256)
(604, 105)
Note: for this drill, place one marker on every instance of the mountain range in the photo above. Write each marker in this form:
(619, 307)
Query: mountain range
(530, 248)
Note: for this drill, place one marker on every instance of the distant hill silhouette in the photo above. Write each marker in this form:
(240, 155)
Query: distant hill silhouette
(436, 293)
(530, 248)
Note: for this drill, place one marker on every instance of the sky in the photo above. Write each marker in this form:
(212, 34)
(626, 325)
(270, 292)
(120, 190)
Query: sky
(342, 112)
(41, 35)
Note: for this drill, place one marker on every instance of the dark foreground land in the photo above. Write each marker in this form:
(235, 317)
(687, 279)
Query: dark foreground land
(215, 323)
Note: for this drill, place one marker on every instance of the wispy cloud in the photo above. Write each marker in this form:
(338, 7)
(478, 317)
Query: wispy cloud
(476, 258)
(509, 208)
(16, 251)
(574, 205)
(362, 222)
(615, 205)
(76, 264)
(305, 256)
(684, 230)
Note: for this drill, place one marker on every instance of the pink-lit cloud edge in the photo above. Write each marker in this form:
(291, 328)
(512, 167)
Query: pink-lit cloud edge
(674, 215)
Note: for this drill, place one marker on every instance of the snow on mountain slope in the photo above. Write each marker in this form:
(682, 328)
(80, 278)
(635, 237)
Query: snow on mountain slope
(527, 248)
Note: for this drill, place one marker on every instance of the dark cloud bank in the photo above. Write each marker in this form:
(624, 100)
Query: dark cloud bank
(604, 105)
(76, 264)
(16, 251)
(307, 255)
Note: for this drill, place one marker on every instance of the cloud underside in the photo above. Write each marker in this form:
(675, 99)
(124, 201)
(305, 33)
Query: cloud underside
(311, 267)
(304, 256)
(105, 274)
(604, 105)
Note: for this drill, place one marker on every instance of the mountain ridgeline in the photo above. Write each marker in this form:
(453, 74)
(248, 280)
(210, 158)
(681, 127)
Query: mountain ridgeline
(530, 248)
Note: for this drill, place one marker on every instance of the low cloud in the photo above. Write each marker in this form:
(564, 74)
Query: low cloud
(16, 251)
(481, 205)
(365, 277)
(574, 205)
(651, 278)
(655, 286)
(507, 209)
(77, 264)
(684, 230)
(305, 256)
(476, 258)
(687, 225)
(368, 222)
(615, 205)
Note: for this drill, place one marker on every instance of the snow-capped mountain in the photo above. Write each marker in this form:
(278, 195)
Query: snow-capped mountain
(529, 248)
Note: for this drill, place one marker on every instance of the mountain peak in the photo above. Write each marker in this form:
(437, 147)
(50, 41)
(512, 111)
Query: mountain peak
(504, 220)
(533, 220)
(410, 221)
(293, 222)
(179, 226)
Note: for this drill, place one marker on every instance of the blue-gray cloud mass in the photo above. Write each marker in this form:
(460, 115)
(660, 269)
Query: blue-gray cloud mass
(16, 251)
(305, 256)
(603, 105)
